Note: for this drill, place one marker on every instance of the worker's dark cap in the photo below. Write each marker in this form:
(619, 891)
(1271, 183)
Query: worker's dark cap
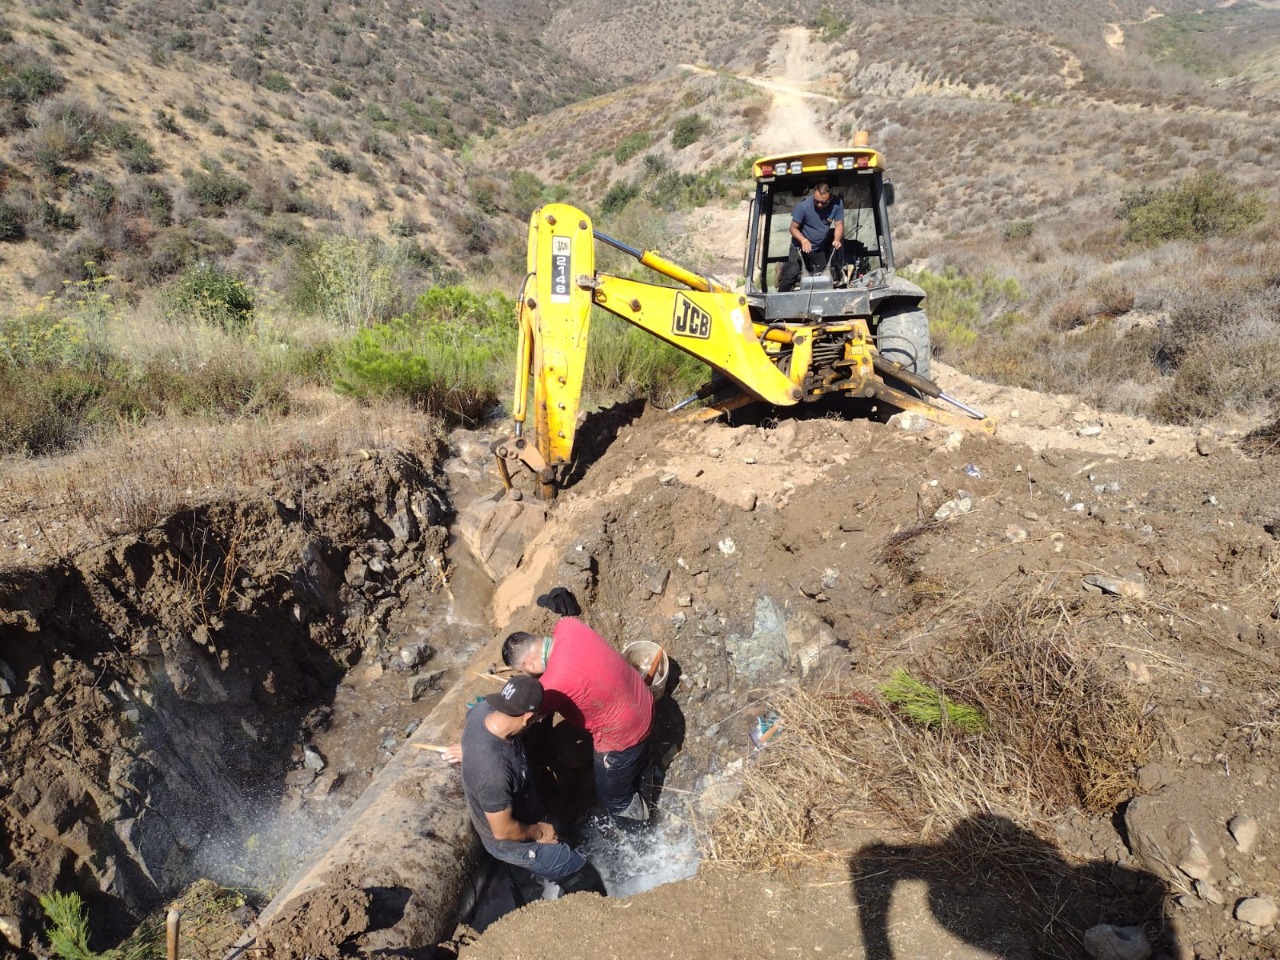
(520, 695)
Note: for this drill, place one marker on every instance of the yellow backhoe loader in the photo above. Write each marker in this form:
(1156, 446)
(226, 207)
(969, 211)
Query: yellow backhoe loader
(856, 329)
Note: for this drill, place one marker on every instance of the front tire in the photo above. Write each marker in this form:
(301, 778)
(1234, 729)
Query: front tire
(903, 337)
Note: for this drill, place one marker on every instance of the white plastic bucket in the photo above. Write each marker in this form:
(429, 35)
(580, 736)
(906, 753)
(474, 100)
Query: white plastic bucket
(641, 655)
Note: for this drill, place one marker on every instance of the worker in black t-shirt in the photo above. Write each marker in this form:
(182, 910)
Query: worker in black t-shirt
(500, 793)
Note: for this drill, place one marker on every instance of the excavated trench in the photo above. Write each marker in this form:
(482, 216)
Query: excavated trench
(240, 691)
(237, 695)
(163, 694)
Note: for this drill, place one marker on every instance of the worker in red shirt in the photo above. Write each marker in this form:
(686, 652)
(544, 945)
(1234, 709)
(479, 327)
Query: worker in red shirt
(588, 682)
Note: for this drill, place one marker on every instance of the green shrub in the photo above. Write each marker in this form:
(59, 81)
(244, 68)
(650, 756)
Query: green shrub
(58, 379)
(451, 355)
(68, 925)
(166, 121)
(349, 281)
(927, 707)
(1206, 205)
(209, 295)
(25, 83)
(631, 145)
(654, 164)
(1019, 230)
(46, 340)
(13, 225)
(830, 24)
(618, 196)
(476, 232)
(68, 328)
(961, 307)
(98, 197)
(277, 82)
(625, 362)
(46, 409)
(528, 192)
(215, 190)
(341, 91)
(335, 160)
(688, 129)
(53, 217)
(141, 158)
(194, 113)
(484, 194)
(674, 190)
(147, 197)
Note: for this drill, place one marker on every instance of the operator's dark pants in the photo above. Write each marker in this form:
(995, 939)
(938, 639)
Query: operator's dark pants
(812, 262)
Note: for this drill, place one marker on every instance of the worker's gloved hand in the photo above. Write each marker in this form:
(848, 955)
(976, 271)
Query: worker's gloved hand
(560, 601)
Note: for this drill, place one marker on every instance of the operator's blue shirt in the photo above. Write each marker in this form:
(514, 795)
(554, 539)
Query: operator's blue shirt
(817, 225)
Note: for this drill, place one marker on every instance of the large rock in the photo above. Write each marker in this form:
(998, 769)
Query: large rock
(497, 529)
(807, 637)
(765, 654)
(1244, 830)
(1257, 911)
(1165, 842)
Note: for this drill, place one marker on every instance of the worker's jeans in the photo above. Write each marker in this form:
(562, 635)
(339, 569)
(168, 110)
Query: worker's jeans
(550, 861)
(618, 777)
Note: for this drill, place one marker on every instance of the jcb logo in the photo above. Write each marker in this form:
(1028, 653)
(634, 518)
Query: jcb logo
(690, 319)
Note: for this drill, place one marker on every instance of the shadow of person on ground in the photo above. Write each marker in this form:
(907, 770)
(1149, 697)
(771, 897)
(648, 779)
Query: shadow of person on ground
(1000, 888)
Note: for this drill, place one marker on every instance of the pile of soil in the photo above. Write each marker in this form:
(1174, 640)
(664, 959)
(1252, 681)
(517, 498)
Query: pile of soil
(718, 541)
(199, 666)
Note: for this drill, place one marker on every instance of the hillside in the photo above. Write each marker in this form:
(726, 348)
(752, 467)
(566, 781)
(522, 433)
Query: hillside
(149, 137)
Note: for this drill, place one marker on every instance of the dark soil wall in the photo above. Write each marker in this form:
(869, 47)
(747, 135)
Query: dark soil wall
(153, 686)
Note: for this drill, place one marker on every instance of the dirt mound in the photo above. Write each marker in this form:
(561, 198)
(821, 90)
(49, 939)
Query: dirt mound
(826, 553)
(179, 670)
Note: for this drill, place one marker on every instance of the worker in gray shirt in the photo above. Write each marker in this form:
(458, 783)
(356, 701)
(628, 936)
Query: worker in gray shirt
(817, 237)
(500, 792)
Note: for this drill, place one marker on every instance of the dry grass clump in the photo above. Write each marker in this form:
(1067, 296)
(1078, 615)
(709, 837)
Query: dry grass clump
(1264, 441)
(1050, 702)
(814, 771)
(1060, 733)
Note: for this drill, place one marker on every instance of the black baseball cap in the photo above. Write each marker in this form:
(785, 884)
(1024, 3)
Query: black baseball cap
(518, 696)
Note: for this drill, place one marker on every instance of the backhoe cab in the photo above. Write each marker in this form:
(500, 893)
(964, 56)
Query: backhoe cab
(861, 333)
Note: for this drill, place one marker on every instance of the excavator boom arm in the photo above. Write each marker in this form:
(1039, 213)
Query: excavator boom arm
(706, 320)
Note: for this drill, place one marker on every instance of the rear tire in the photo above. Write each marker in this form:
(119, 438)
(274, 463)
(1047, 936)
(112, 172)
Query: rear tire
(903, 337)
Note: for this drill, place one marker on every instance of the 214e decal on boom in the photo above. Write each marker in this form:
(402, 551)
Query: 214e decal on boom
(690, 320)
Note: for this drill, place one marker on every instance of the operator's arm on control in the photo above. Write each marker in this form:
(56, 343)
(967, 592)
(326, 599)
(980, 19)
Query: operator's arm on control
(798, 236)
(506, 827)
